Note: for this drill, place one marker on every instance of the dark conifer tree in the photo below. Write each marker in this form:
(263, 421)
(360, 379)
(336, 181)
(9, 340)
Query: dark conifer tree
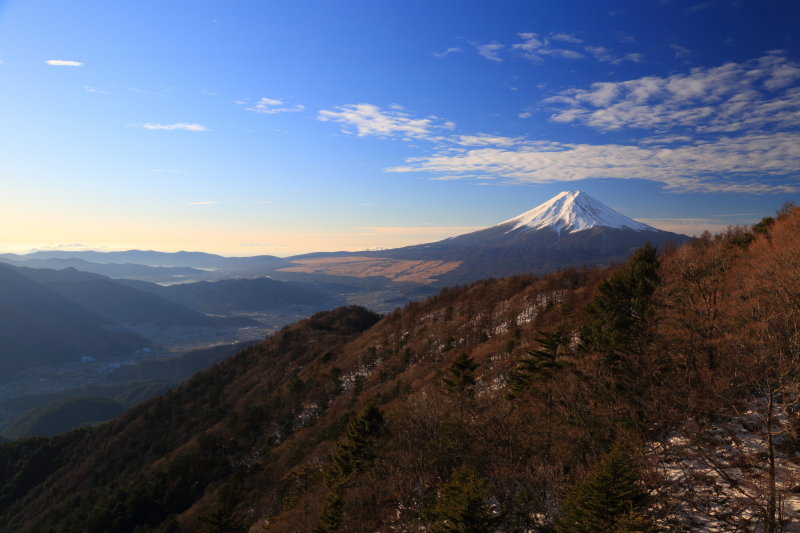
(607, 501)
(461, 506)
(621, 312)
(350, 458)
(541, 363)
(463, 374)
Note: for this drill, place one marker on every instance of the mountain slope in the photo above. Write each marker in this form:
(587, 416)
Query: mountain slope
(119, 303)
(40, 327)
(64, 415)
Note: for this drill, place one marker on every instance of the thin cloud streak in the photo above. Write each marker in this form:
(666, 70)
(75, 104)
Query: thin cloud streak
(368, 119)
(742, 164)
(266, 106)
(423, 230)
(181, 126)
(447, 52)
(62, 63)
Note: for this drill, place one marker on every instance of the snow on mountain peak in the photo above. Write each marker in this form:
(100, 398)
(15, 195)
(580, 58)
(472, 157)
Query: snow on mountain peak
(572, 211)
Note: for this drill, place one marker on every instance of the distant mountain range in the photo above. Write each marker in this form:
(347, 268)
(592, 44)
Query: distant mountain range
(570, 230)
(50, 317)
(112, 270)
(150, 258)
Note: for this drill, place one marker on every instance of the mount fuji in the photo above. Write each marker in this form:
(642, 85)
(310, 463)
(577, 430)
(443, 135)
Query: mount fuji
(569, 230)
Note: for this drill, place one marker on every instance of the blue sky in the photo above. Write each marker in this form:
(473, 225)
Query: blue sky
(248, 128)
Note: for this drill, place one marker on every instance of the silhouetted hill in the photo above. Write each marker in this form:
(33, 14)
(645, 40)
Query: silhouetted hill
(221, 297)
(41, 275)
(40, 327)
(119, 304)
(64, 415)
(175, 368)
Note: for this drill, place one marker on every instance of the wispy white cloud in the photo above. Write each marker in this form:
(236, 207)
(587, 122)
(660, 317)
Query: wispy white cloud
(368, 119)
(62, 63)
(72, 246)
(93, 90)
(242, 101)
(680, 51)
(181, 126)
(207, 93)
(482, 139)
(490, 51)
(202, 203)
(732, 97)
(447, 52)
(267, 106)
(753, 163)
(536, 48)
(624, 37)
(699, 7)
(566, 37)
(605, 55)
(423, 230)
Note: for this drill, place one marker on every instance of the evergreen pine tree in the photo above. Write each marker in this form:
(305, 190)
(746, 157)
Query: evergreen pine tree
(350, 458)
(221, 519)
(634, 522)
(540, 364)
(623, 309)
(463, 372)
(331, 518)
(461, 506)
(607, 501)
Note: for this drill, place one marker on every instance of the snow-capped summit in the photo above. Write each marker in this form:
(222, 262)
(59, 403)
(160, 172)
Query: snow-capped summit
(570, 212)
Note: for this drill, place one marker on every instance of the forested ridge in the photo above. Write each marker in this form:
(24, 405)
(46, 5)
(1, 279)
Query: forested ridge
(658, 395)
